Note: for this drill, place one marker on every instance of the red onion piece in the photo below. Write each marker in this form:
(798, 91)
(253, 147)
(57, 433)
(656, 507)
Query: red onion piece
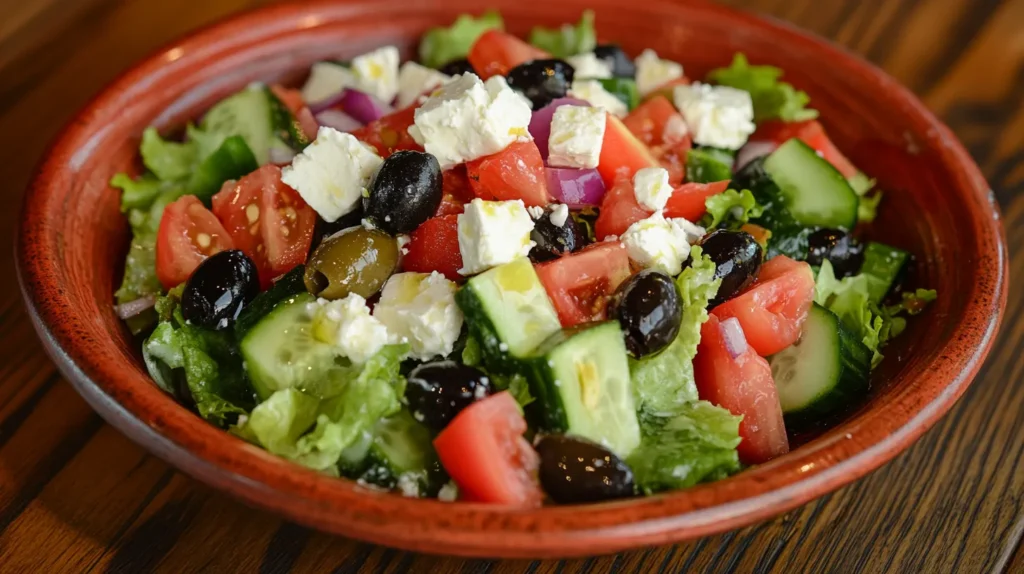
(326, 103)
(733, 337)
(540, 122)
(752, 151)
(363, 107)
(338, 120)
(577, 188)
(133, 308)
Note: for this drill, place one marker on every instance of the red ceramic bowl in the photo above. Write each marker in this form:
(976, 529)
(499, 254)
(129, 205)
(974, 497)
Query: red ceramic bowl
(73, 240)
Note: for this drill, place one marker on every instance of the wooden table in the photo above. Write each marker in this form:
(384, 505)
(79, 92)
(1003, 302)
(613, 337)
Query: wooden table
(76, 495)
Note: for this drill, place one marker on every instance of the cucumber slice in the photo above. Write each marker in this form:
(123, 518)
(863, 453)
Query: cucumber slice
(580, 377)
(288, 285)
(248, 114)
(286, 126)
(622, 88)
(508, 312)
(402, 455)
(826, 370)
(707, 165)
(281, 352)
(885, 266)
(812, 191)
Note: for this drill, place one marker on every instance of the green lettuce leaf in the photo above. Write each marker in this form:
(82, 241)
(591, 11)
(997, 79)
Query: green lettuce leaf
(277, 423)
(442, 45)
(166, 159)
(731, 207)
(697, 443)
(867, 208)
(567, 40)
(664, 382)
(772, 98)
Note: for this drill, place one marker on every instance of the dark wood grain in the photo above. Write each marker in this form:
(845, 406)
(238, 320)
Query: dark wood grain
(77, 496)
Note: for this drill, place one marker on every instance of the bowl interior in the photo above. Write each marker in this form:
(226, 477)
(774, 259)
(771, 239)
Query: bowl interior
(74, 239)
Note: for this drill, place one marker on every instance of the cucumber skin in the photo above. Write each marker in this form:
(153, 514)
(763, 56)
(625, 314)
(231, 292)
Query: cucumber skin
(885, 263)
(285, 125)
(849, 223)
(482, 329)
(288, 285)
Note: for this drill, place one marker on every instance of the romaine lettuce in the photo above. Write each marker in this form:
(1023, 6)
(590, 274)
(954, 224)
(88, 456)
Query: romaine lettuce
(567, 40)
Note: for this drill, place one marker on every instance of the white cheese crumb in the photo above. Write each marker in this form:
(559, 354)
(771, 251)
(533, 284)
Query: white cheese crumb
(492, 233)
(420, 309)
(653, 72)
(717, 116)
(577, 134)
(588, 65)
(651, 187)
(535, 211)
(448, 493)
(559, 215)
(592, 92)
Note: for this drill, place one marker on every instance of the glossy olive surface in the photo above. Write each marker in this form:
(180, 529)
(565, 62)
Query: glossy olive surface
(649, 310)
(438, 391)
(456, 67)
(219, 288)
(355, 261)
(576, 471)
(405, 192)
(553, 240)
(842, 250)
(622, 65)
(541, 80)
(737, 257)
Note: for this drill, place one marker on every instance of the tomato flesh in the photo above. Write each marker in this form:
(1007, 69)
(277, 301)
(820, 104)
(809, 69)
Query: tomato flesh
(658, 125)
(484, 452)
(742, 385)
(619, 210)
(516, 172)
(434, 246)
(812, 133)
(772, 312)
(580, 284)
(455, 191)
(495, 53)
(390, 133)
(622, 154)
(688, 200)
(188, 234)
(267, 220)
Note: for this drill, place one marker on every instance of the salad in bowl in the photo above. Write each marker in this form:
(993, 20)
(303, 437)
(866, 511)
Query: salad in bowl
(514, 271)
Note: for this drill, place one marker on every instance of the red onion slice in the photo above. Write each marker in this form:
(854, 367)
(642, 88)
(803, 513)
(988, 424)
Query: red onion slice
(326, 103)
(338, 120)
(363, 107)
(577, 188)
(133, 308)
(733, 337)
(540, 122)
(752, 151)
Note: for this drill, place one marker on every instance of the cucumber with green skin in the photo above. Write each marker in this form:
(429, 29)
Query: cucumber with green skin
(811, 190)
(885, 266)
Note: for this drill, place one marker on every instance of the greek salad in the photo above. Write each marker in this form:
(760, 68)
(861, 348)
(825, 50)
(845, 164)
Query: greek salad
(514, 271)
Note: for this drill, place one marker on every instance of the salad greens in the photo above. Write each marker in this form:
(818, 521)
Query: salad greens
(731, 208)
(442, 45)
(773, 99)
(567, 40)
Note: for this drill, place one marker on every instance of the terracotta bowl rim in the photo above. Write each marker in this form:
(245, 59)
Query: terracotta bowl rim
(431, 526)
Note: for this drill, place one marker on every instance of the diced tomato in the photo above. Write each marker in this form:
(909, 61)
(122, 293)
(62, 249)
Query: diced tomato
(495, 53)
(516, 172)
(658, 125)
(622, 154)
(434, 246)
(484, 452)
(580, 284)
(292, 99)
(742, 385)
(812, 133)
(666, 89)
(455, 191)
(267, 220)
(688, 199)
(772, 311)
(619, 210)
(390, 133)
(188, 234)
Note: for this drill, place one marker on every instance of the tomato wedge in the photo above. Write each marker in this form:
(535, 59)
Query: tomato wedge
(622, 154)
(772, 312)
(390, 133)
(516, 172)
(455, 191)
(484, 452)
(742, 385)
(292, 99)
(188, 234)
(688, 199)
(580, 284)
(434, 246)
(495, 53)
(658, 125)
(619, 210)
(812, 133)
(267, 220)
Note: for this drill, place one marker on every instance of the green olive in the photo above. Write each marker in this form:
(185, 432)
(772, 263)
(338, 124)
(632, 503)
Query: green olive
(358, 261)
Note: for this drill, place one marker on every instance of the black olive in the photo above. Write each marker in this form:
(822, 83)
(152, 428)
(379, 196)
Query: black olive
(737, 257)
(555, 240)
(438, 391)
(405, 192)
(456, 67)
(219, 288)
(751, 176)
(622, 65)
(576, 471)
(843, 251)
(541, 80)
(649, 309)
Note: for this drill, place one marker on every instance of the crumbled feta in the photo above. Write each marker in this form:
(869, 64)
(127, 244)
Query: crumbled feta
(448, 493)
(559, 215)
(403, 242)
(577, 133)
(348, 324)
(675, 129)
(717, 116)
(656, 243)
(325, 80)
(420, 309)
(467, 119)
(409, 484)
(682, 227)
(594, 94)
(414, 80)
(492, 233)
(332, 173)
(588, 65)
(652, 188)
(535, 211)
(376, 73)
(652, 72)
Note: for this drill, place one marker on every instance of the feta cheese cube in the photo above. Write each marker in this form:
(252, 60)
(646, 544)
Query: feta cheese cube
(658, 243)
(332, 173)
(376, 73)
(652, 188)
(652, 72)
(559, 215)
(325, 80)
(717, 116)
(592, 92)
(535, 211)
(348, 324)
(467, 119)
(577, 133)
(690, 232)
(414, 80)
(492, 233)
(588, 65)
(420, 309)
